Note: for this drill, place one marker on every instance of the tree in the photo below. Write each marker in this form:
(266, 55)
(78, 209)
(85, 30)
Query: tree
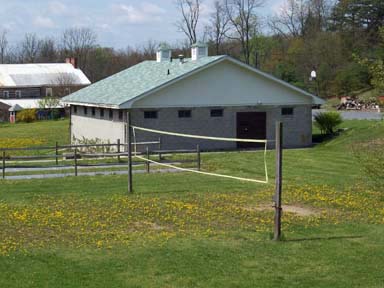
(291, 19)
(359, 15)
(190, 14)
(78, 42)
(48, 52)
(3, 45)
(218, 25)
(242, 16)
(30, 47)
(375, 66)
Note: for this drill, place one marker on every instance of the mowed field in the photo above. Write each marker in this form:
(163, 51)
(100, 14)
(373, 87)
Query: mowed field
(189, 230)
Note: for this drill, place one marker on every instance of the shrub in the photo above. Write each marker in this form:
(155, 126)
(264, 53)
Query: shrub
(27, 115)
(328, 121)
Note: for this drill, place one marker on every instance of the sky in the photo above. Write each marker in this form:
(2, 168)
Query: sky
(118, 23)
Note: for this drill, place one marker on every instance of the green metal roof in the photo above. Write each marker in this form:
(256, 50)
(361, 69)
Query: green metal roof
(136, 81)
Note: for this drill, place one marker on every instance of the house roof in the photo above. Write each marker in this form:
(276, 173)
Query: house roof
(26, 103)
(35, 75)
(149, 76)
(15, 108)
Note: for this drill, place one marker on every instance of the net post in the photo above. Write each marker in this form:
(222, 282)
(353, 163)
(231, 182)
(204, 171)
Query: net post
(118, 150)
(129, 152)
(279, 178)
(148, 163)
(198, 157)
(3, 164)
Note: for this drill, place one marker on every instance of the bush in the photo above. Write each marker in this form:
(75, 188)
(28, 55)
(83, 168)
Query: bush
(328, 121)
(27, 115)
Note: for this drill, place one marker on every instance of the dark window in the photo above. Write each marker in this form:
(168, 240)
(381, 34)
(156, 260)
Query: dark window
(217, 113)
(6, 94)
(93, 111)
(75, 109)
(18, 94)
(150, 114)
(185, 114)
(287, 111)
(120, 115)
(85, 110)
(110, 114)
(101, 112)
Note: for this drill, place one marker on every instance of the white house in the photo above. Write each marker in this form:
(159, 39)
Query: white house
(215, 96)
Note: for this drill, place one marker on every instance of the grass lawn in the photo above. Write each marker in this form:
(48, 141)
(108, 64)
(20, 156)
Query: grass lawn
(41, 133)
(187, 230)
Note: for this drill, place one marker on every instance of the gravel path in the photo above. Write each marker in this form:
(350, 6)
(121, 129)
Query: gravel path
(62, 175)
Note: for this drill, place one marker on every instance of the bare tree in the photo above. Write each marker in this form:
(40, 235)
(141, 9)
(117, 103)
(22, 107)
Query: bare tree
(190, 14)
(48, 51)
(149, 49)
(242, 16)
(218, 25)
(3, 45)
(30, 48)
(78, 42)
(291, 19)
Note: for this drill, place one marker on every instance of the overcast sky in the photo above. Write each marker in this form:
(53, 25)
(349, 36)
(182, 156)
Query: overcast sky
(118, 23)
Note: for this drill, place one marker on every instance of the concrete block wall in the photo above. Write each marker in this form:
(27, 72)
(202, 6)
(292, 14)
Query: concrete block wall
(297, 127)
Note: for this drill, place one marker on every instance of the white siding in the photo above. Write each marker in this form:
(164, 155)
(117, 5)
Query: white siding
(224, 84)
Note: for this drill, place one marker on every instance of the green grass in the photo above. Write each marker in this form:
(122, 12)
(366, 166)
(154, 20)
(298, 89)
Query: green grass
(187, 230)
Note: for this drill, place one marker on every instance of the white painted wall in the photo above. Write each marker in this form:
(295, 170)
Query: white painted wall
(223, 84)
(92, 128)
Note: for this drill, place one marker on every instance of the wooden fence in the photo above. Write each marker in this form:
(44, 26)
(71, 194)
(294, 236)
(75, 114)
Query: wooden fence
(76, 153)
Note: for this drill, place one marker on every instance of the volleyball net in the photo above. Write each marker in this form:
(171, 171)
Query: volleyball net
(263, 142)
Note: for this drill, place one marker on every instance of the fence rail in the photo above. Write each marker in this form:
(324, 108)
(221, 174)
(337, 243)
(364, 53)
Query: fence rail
(72, 155)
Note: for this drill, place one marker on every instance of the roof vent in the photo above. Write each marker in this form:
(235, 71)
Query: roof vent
(164, 53)
(199, 50)
(181, 58)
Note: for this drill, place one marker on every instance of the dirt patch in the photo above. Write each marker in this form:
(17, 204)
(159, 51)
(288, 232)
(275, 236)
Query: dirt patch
(298, 210)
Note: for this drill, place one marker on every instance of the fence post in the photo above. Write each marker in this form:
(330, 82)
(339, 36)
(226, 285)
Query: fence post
(3, 164)
(147, 164)
(118, 150)
(75, 157)
(57, 153)
(198, 157)
(159, 148)
(129, 152)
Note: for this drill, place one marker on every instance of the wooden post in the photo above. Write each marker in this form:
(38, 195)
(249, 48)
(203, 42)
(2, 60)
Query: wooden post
(159, 148)
(279, 177)
(129, 152)
(147, 164)
(3, 164)
(118, 150)
(70, 123)
(57, 153)
(198, 158)
(75, 157)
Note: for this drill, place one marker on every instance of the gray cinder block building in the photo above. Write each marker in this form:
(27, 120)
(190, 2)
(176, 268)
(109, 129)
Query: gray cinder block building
(212, 96)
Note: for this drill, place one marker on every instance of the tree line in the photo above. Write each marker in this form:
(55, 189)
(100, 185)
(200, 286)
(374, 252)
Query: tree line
(342, 40)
